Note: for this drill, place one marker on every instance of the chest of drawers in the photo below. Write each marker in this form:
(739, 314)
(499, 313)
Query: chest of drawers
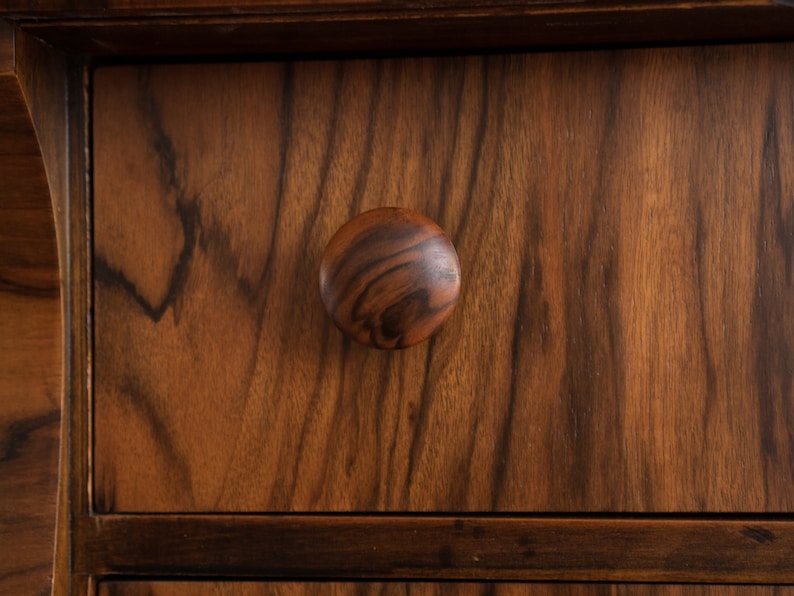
(612, 398)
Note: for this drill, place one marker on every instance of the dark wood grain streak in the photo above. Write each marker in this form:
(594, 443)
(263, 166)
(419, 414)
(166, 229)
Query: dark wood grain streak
(112, 588)
(623, 338)
(773, 305)
(613, 550)
(208, 28)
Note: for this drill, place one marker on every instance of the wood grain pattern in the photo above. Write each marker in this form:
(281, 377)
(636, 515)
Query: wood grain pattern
(634, 208)
(42, 74)
(208, 27)
(594, 549)
(389, 278)
(30, 347)
(423, 589)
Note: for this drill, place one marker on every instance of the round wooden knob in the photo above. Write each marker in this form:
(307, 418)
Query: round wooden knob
(389, 277)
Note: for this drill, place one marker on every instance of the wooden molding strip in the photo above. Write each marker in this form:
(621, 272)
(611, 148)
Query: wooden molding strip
(131, 8)
(437, 547)
(127, 29)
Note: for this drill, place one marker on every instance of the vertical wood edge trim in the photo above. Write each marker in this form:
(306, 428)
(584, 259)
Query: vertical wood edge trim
(77, 298)
(84, 167)
(443, 548)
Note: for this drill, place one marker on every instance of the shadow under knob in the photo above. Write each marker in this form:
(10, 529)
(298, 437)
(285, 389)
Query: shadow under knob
(389, 278)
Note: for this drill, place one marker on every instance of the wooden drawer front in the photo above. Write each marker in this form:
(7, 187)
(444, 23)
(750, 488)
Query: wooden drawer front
(423, 589)
(624, 339)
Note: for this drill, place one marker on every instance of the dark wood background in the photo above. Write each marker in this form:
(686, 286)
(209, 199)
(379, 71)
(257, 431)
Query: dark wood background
(624, 340)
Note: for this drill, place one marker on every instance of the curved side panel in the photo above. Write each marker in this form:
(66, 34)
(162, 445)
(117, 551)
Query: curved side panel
(30, 346)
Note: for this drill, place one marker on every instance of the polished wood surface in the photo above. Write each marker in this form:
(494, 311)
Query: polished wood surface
(423, 589)
(389, 278)
(748, 549)
(624, 340)
(30, 346)
(442, 547)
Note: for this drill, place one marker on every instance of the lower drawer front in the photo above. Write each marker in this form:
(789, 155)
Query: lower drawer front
(624, 339)
(425, 589)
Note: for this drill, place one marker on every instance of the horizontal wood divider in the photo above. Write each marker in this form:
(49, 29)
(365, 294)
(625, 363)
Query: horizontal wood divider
(152, 29)
(659, 549)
